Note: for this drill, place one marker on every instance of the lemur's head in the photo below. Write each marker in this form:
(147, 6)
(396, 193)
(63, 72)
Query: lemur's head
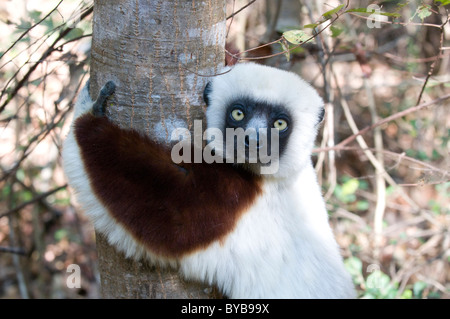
(278, 112)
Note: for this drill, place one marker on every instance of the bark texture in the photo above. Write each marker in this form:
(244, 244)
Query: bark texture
(158, 53)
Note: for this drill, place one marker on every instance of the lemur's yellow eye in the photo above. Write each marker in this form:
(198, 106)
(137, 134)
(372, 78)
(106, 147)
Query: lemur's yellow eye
(280, 124)
(237, 114)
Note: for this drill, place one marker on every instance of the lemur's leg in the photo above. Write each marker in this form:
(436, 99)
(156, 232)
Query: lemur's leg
(98, 109)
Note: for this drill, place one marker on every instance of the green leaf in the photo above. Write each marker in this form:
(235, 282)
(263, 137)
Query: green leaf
(350, 186)
(296, 36)
(423, 12)
(7, 190)
(22, 26)
(407, 294)
(359, 10)
(74, 33)
(365, 10)
(418, 288)
(434, 295)
(329, 13)
(60, 234)
(354, 267)
(443, 2)
(362, 205)
(378, 280)
(335, 31)
(311, 25)
(35, 15)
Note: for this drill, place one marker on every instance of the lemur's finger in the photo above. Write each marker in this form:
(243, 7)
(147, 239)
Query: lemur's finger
(98, 109)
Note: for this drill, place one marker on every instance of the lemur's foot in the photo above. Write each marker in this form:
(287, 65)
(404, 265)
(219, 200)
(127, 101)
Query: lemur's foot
(99, 107)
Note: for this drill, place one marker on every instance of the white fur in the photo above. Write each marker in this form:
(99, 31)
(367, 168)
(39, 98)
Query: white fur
(283, 247)
(274, 86)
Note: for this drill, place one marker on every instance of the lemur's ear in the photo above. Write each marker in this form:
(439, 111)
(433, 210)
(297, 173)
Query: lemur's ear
(206, 92)
(321, 116)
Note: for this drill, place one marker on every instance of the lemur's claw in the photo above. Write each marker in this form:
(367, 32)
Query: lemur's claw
(98, 109)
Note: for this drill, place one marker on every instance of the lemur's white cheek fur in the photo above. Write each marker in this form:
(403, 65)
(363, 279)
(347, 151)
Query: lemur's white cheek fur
(254, 236)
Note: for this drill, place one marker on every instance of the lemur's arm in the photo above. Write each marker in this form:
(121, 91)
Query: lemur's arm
(168, 210)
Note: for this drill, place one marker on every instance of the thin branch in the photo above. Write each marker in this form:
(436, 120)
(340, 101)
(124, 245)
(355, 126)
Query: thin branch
(36, 199)
(59, 47)
(13, 250)
(236, 56)
(30, 28)
(37, 138)
(396, 22)
(384, 121)
(398, 156)
(381, 174)
(234, 13)
(49, 51)
(433, 65)
(231, 22)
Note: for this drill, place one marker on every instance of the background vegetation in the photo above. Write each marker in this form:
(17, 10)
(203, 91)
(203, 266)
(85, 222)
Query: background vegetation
(381, 67)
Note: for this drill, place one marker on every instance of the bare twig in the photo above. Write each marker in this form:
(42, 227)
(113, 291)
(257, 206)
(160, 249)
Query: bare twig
(13, 240)
(380, 186)
(36, 199)
(246, 6)
(35, 139)
(433, 65)
(384, 121)
(13, 250)
(47, 53)
(323, 57)
(397, 22)
(30, 28)
(237, 56)
(381, 173)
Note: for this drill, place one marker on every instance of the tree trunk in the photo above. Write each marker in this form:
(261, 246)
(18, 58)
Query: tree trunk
(156, 52)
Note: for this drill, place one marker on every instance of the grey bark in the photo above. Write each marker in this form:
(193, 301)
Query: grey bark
(157, 53)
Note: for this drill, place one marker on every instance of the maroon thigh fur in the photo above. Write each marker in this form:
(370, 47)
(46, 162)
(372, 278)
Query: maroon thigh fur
(172, 211)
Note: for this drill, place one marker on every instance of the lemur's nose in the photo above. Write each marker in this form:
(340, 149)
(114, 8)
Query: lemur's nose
(253, 140)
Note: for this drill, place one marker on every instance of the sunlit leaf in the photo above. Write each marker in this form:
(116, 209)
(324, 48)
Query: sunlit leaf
(362, 205)
(371, 11)
(350, 186)
(329, 13)
(353, 266)
(418, 288)
(35, 15)
(407, 294)
(74, 33)
(423, 12)
(335, 31)
(296, 36)
(311, 25)
(443, 2)
(60, 234)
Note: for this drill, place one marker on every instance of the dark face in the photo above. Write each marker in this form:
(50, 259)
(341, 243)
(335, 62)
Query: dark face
(261, 130)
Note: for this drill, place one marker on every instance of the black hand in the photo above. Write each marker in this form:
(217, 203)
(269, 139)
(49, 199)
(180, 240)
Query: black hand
(98, 109)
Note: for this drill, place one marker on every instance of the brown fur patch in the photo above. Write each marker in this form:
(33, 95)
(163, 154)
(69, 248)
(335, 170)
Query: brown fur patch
(170, 211)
